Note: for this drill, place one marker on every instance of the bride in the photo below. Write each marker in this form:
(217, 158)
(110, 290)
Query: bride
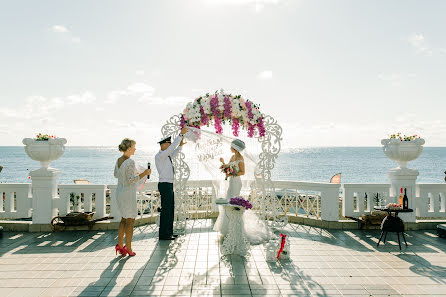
(255, 230)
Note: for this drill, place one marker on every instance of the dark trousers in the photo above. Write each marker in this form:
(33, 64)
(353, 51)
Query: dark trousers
(167, 209)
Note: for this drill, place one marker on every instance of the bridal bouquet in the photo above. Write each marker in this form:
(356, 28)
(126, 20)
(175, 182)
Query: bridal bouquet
(228, 169)
(240, 201)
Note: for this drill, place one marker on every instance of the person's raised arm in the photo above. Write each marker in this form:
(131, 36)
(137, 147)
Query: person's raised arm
(178, 149)
(170, 150)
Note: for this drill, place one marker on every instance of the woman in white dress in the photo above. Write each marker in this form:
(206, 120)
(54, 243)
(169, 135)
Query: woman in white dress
(235, 183)
(127, 175)
(255, 230)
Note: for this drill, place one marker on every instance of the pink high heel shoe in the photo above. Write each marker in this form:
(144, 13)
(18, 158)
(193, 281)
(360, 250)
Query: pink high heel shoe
(120, 250)
(126, 250)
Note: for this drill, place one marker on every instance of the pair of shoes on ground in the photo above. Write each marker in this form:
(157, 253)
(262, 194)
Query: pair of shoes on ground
(172, 237)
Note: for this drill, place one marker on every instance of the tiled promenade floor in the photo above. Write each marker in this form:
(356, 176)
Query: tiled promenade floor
(324, 263)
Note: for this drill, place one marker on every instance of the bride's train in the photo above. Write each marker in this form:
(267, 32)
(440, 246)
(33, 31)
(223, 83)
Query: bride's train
(255, 229)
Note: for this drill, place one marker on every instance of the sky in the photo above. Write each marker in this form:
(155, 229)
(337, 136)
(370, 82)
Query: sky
(332, 73)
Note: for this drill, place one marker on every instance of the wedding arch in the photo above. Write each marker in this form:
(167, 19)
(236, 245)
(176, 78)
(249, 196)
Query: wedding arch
(215, 110)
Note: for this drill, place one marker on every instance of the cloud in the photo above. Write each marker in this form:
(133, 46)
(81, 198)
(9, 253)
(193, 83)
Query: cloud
(138, 90)
(10, 113)
(389, 77)
(396, 79)
(265, 75)
(59, 29)
(140, 72)
(420, 45)
(85, 98)
(259, 5)
(40, 107)
(141, 88)
(140, 125)
(113, 96)
(143, 93)
(362, 133)
(171, 100)
(393, 78)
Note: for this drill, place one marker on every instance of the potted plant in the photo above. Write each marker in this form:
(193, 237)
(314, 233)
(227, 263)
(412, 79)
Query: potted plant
(402, 149)
(44, 148)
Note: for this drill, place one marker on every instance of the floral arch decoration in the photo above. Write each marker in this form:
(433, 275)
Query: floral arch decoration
(217, 109)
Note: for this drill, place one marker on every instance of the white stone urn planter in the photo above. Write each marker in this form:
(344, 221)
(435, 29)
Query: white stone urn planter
(402, 151)
(44, 151)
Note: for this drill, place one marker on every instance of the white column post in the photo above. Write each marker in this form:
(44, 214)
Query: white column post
(330, 203)
(404, 178)
(44, 190)
(114, 212)
(100, 202)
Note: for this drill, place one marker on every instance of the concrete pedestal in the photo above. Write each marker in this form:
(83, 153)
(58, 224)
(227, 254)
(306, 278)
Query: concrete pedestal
(404, 178)
(44, 190)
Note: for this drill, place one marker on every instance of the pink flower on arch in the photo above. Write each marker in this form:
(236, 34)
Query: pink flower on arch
(261, 127)
(251, 130)
(182, 121)
(227, 105)
(204, 117)
(235, 126)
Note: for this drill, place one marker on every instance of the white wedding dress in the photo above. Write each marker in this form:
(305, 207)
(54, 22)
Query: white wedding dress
(255, 230)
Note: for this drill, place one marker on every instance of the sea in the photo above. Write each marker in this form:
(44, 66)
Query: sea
(356, 164)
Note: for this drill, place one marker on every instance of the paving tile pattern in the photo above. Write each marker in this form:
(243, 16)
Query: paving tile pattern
(323, 263)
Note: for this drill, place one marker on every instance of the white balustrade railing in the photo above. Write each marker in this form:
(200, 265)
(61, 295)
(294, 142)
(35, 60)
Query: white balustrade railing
(359, 199)
(15, 201)
(431, 200)
(315, 200)
(318, 200)
(81, 198)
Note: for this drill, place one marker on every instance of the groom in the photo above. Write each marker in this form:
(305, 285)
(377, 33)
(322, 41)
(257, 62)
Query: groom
(164, 165)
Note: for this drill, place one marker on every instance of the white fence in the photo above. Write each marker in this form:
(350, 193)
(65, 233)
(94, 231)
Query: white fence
(81, 198)
(15, 201)
(316, 200)
(359, 199)
(431, 200)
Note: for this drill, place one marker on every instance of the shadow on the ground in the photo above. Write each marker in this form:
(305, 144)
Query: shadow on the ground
(161, 261)
(300, 283)
(424, 268)
(53, 242)
(366, 240)
(164, 257)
